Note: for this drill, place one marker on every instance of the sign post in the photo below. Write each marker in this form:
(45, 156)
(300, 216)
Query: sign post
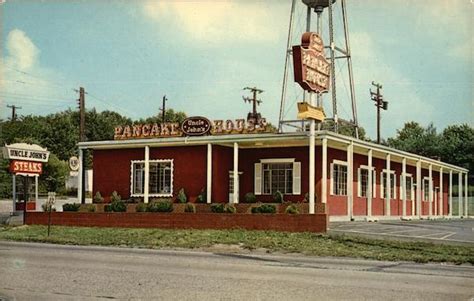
(49, 205)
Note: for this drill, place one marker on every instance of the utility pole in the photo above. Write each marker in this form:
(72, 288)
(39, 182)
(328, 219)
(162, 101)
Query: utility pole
(163, 109)
(14, 108)
(380, 104)
(253, 115)
(82, 138)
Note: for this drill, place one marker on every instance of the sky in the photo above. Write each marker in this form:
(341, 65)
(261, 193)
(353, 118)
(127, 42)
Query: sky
(201, 54)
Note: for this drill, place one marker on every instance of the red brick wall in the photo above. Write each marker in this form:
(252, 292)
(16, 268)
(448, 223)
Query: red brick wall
(278, 222)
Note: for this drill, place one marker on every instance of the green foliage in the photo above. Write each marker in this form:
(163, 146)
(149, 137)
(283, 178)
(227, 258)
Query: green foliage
(107, 208)
(55, 174)
(71, 207)
(182, 198)
(5, 179)
(202, 197)
(46, 207)
(292, 209)
(89, 208)
(416, 139)
(118, 205)
(250, 198)
(264, 208)
(141, 207)
(115, 197)
(98, 199)
(223, 208)
(230, 209)
(190, 207)
(278, 197)
(345, 129)
(160, 206)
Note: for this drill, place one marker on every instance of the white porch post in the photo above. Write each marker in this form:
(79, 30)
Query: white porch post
(404, 187)
(14, 192)
(235, 197)
(418, 188)
(466, 190)
(79, 176)
(147, 175)
(441, 191)
(450, 213)
(312, 147)
(209, 174)
(387, 187)
(370, 184)
(36, 189)
(350, 180)
(324, 176)
(430, 193)
(460, 206)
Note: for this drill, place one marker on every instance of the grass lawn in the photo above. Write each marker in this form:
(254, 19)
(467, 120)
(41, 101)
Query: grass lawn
(305, 243)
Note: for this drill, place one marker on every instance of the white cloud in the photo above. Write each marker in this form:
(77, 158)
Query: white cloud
(23, 53)
(219, 20)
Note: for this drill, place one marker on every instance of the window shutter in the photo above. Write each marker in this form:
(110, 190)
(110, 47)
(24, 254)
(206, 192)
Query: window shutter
(258, 178)
(297, 178)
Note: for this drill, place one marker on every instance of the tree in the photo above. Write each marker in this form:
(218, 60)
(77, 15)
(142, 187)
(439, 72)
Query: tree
(415, 139)
(55, 174)
(457, 146)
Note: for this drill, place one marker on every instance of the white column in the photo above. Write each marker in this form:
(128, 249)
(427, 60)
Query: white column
(312, 147)
(147, 175)
(36, 189)
(418, 188)
(235, 197)
(388, 186)
(404, 187)
(14, 192)
(430, 193)
(324, 180)
(79, 176)
(371, 185)
(441, 191)
(350, 180)
(466, 190)
(450, 213)
(209, 174)
(460, 206)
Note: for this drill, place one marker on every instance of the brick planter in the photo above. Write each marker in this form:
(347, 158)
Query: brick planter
(278, 222)
(30, 206)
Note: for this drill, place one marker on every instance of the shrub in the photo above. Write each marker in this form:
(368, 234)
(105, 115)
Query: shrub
(141, 207)
(292, 209)
(217, 208)
(278, 197)
(202, 197)
(306, 198)
(45, 207)
(118, 206)
(250, 198)
(190, 208)
(265, 208)
(133, 201)
(115, 197)
(98, 199)
(160, 206)
(71, 207)
(89, 208)
(182, 198)
(230, 209)
(107, 208)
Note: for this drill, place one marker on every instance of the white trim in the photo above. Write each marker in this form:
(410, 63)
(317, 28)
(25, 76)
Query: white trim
(209, 174)
(382, 185)
(296, 178)
(409, 193)
(331, 173)
(359, 182)
(324, 173)
(146, 180)
(339, 162)
(258, 179)
(423, 189)
(278, 160)
(235, 198)
(158, 195)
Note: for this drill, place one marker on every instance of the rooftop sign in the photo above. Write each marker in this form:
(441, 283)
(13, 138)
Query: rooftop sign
(25, 152)
(311, 68)
(192, 126)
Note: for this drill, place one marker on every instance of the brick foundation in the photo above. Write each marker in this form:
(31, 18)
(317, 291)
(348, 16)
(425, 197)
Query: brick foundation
(278, 222)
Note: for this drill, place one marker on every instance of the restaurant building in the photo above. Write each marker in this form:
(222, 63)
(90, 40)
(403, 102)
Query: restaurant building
(353, 179)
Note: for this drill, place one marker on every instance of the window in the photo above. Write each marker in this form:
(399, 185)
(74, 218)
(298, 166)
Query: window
(160, 178)
(277, 177)
(363, 181)
(339, 178)
(383, 184)
(426, 189)
(272, 175)
(410, 195)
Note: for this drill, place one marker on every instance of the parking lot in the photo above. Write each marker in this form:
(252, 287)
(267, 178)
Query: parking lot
(460, 231)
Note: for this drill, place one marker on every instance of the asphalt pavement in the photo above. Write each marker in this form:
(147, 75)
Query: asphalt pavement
(30, 271)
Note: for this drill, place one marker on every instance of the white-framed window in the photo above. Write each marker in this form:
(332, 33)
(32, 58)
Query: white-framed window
(272, 175)
(426, 189)
(338, 177)
(160, 178)
(409, 187)
(383, 184)
(363, 181)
